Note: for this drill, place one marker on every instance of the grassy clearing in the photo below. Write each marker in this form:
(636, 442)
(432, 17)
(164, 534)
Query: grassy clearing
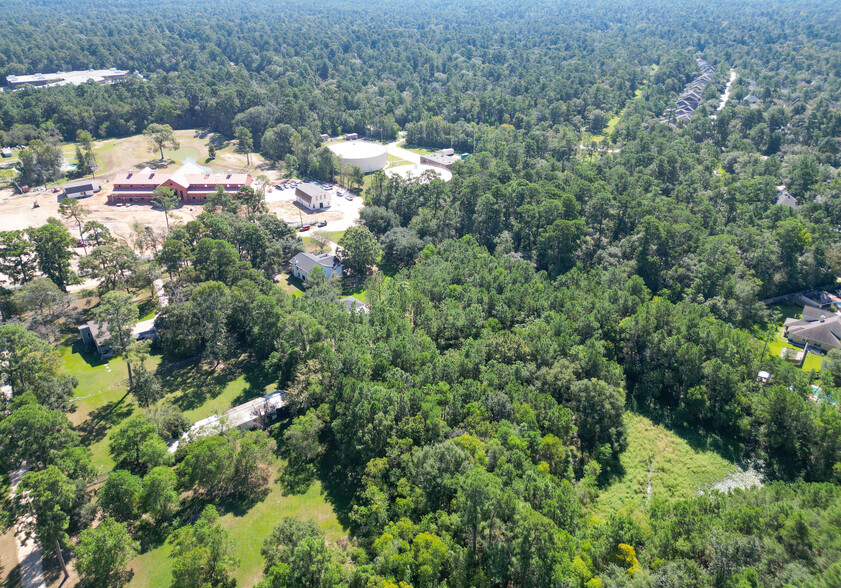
(418, 150)
(103, 402)
(248, 531)
(778, 342)
(290, 284)
(678, 470)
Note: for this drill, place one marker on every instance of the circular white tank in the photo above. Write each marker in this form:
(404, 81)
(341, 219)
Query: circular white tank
(415, 170)
(368, 156)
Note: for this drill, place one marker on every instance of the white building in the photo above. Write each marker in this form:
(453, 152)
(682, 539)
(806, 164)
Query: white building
(313, 197)
(256, 413)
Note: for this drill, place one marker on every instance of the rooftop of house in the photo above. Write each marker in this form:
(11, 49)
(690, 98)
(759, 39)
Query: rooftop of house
(307, 261)
(826, 331)
(350, 303)
(821, 298)
(234, 417)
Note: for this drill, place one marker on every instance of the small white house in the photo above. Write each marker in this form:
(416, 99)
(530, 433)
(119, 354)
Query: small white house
(313, 197)
(304, 263)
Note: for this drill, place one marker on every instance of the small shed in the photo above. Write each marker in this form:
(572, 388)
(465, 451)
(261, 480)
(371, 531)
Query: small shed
(352, 304)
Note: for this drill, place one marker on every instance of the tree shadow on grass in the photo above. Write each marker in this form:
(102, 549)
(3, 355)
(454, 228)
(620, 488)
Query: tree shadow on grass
(194, 383)
(155, 163)
(99, 421)
(337, 487)
(257, 379)
(152, 535)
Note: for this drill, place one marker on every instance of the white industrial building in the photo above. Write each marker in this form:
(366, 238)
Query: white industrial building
(368, 156)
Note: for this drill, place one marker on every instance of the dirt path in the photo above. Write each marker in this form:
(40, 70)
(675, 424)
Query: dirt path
(29, 552)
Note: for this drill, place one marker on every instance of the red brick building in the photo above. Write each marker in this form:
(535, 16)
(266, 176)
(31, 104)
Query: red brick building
(190, 183)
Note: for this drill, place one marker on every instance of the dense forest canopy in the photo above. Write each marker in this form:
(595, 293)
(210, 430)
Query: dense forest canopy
(591, 258)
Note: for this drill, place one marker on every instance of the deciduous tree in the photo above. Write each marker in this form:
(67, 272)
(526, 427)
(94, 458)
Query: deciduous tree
(161, 136)
(103, 552)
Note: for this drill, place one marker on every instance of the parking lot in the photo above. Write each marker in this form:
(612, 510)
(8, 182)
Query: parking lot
(341, 215)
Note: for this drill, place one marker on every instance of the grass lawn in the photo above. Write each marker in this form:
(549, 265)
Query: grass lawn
(248, 532)
(102, 401)
(101, 397)
(419, 150)
(394, 161)
(778, 342)
(290, 284)
(678, 470)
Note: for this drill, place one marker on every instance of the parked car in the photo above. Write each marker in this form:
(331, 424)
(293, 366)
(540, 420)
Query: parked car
(304, 228)
(80, 243)
(348, 197)
(322, 223)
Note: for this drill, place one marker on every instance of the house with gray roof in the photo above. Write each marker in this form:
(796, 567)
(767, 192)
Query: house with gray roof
(352, 304)
(96, 335)
(784, 198)
(820, 329)
(820, 300)
(303, 264)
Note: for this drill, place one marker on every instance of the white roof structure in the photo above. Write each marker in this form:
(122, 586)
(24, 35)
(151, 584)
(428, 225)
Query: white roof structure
(244, 416)
(64, 78)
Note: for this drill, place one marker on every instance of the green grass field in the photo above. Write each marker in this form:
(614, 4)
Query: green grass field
(248, 531)
(678, 470)
(778, 342)
(418, 150)
(103, 403)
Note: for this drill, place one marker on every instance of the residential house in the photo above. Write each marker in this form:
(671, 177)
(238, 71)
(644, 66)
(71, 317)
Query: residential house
(820, 300)
(304, 263)
(817, 328)
(784, 198)
(352, 304)
(94, 335)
